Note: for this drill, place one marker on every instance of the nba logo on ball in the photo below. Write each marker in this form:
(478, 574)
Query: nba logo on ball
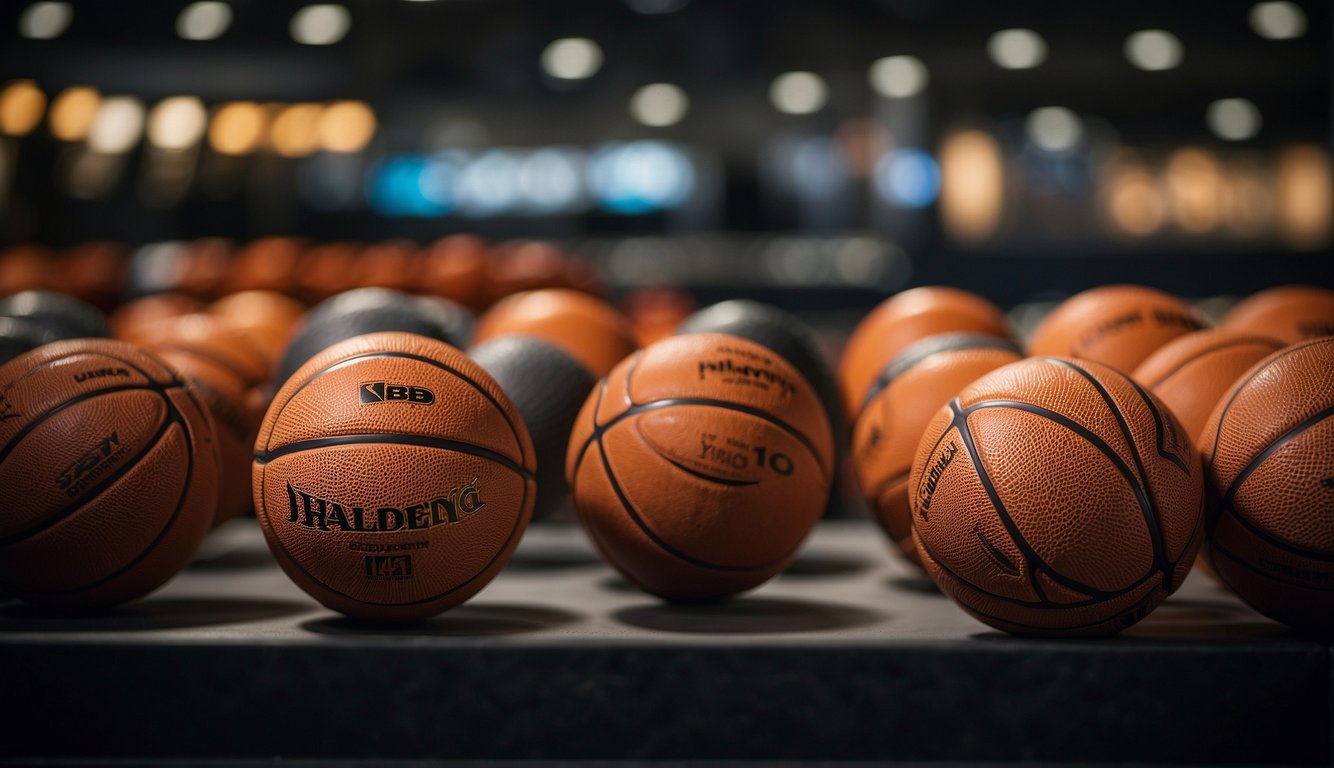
(384, 392)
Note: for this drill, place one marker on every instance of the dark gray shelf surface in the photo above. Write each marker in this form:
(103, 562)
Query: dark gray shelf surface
(849, 656)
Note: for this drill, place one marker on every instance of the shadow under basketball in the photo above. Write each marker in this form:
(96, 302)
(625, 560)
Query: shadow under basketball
(747, 616)
(918, 584)
(819, 565)
(485, 620)
(148, 614)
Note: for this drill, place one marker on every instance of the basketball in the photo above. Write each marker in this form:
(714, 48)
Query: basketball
(266, 317)
(18, 336)
(142, 315)
(1289, 313)
(1191, 373)
(588, 328)
(901, 401)
(905, 318)
(228, 373)
(116, 464)
(1056, 497)
(65, 316)
(1116, 325)
(1271, 476)
(266, 264)
(391, 264)
(373, 310)
(392, 477)
(547, 387)
(699, 465)
(455, 268)
(25, 267)
(327, 270)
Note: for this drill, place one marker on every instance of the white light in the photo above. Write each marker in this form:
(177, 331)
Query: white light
(1017, 48)
(1233, 119)
(659, 104)
(45, 21)
(1278, 20)
(898, 77)
(798, 93)
(640, 177)
(117, 126)
(572, 58)
(321, 24)
(1154, 50)
(1055, 129)
(551, 179)
(177, 123)
(489, 184)
(204, 20)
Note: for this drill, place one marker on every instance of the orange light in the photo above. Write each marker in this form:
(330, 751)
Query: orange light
(296, 130)
(73, 111)
(1248, 201)
(972, 185)
(21, 106)
(237, 128)
(1305, 195)
(1135, 201)
(346, 126)
(1195, 188)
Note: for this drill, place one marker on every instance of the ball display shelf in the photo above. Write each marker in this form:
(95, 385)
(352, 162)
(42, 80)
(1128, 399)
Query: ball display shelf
(848, 657)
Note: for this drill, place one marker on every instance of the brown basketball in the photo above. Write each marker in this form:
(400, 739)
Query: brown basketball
(266, 264)
(110, 472)
(392, 477)
(93, 272)
(391, 264)
(1289, 313)
(141, 316)
(266, 317)
(588, 328)
(1269, 456)
(25, 267)
(228, 373)
(326, 270)
(699, 465)
(901, 402)
(1191, 373)
(1116, 325)
(455, 268)
(900, 321)
(1057, 497)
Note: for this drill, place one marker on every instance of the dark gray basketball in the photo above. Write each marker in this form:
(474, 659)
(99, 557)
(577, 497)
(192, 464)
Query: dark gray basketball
(548, 387)
(372, 310)
(18, 336)
(64, 316)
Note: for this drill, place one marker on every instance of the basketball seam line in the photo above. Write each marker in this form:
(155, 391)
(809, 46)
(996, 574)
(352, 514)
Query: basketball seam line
(1228, 501)
(421, 441)
(1159, 427)
(172, 416)
(710, 478)
(583, 450)
(268, 438)
(895, 369)
(1194, 358)
(82, 397)
(1032, 558)
(171, 521)
(274, 540)
(1143, 490)
(1237, 388)
(668, 548)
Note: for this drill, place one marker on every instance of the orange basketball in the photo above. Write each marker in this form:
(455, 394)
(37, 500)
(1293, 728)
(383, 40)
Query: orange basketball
(326, 270)
(391, 264)
(1116, 325)
(699, 465)
(588, 328)
(1057, 497)
(903, 398)
(392, 477)
(110, 473)
(266, 264)
(93, 272)
(1289, 313)
(1191, 373)
(267, 318)
(455, 268)
(228, 372)
(1269, 455)
(141, 316)
(899, 321)
(25, 268)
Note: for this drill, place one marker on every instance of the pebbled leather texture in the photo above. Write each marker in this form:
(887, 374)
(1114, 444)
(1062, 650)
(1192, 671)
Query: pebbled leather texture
(1116, 325)
(1289, 313)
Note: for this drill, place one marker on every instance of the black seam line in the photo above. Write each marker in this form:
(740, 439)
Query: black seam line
(166, 527)
(1239, 386)
(643, 526)
(70, 403)
(1229, 498)
(520, 523)
(518, 442)
(422, 441)
(172, 416)
(1034, 560)
(703, 476)
(583, 449)
(1159, 427)
(1244, 341)
(997, 556)
(1220, 550)
(954, 407)
(1062, 629)
(1143, 491)
(900, 366)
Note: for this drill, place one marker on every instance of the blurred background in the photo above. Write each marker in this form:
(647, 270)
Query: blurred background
(820, 155)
